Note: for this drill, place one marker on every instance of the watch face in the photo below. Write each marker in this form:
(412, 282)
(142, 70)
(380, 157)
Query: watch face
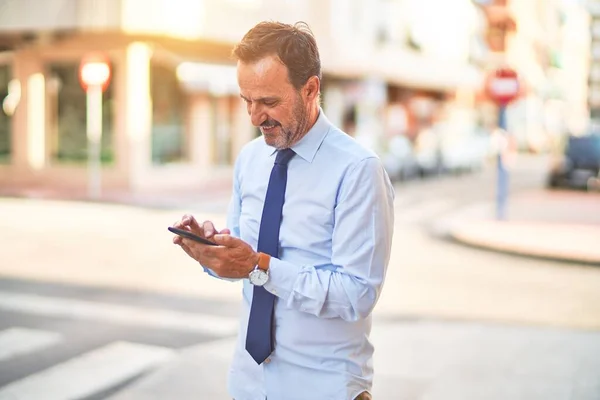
(258, 277)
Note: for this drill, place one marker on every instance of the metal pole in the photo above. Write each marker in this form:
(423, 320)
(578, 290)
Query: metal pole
(94, 136)
(502, 177)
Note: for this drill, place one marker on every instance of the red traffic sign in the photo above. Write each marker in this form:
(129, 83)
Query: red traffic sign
(94, 70)
(502, 85)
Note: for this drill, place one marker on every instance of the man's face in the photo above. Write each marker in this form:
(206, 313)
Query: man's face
(274, 105)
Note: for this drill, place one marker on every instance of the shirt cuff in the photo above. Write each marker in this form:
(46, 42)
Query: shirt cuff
(282, 277)
(214, 275)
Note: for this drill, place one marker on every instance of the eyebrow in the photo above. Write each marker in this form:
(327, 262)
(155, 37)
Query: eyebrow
(261, 99)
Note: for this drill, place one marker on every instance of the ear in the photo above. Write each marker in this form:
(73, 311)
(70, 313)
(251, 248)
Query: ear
(312, 88)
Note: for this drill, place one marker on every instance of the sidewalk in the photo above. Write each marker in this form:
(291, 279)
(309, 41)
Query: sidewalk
(423, 360)
(554, 225)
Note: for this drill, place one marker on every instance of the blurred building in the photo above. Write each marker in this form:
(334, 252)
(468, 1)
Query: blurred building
(172, 114)
(169, 111)
(549, 47)
(594, 61)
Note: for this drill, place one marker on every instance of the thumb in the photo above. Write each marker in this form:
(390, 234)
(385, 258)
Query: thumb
(225, 232)
(223, 239)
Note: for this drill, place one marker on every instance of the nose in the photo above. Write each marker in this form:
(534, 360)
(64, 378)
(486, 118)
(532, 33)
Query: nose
(257, 116)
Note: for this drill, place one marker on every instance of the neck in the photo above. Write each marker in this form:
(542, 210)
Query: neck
(311, 118)
(313, 115)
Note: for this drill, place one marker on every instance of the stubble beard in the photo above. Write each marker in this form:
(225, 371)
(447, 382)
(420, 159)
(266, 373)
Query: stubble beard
(298, 127)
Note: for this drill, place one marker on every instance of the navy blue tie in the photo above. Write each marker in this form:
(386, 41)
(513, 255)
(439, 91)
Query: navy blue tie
(259, 338)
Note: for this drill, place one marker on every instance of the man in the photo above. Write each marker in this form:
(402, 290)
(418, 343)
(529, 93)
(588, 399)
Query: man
(309, 232)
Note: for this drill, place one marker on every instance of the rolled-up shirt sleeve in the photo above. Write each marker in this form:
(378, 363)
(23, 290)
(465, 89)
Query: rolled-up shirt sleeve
(350, 285)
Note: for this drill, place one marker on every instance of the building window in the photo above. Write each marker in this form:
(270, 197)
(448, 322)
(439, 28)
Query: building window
(168, 116)
(67, 113)
(5, 115)
(222, 111)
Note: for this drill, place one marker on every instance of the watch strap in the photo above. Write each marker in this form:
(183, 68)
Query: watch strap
(264, 260)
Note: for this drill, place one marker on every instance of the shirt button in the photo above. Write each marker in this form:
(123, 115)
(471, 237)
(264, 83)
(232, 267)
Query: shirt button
(268, 360)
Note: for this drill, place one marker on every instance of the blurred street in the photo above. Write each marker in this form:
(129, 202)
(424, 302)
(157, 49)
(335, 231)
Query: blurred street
(118, 117)
(95, 294)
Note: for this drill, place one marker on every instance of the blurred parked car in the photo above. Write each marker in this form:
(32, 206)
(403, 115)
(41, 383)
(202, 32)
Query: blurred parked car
(427, 152)
(468, 154)
(579, 165)
(400, 161)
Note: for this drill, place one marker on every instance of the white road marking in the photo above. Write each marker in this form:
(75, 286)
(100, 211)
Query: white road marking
(19, 341)
(89, 373)
(120, 314)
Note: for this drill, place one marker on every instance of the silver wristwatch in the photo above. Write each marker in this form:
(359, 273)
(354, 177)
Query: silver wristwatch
(258, 277)
(260, 274)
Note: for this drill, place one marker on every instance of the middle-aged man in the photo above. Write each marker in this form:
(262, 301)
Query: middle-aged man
(309, 232)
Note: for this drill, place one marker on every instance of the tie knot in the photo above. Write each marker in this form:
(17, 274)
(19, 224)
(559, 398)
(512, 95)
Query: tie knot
(284, 156)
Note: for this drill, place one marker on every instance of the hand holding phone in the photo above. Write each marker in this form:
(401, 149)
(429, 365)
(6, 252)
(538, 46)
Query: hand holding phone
(192, 236)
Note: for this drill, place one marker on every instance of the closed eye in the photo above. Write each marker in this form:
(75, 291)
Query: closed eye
(267, 101)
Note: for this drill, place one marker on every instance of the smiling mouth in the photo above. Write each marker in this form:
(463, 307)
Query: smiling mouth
(269, 128)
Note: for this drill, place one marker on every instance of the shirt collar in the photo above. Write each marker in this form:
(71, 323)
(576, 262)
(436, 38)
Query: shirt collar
(307, 146)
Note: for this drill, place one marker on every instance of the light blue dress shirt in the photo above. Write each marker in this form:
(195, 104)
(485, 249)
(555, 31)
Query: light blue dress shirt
(335, 242)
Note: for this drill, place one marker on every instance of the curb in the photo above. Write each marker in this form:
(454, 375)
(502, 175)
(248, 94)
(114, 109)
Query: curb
(456, 238)
(449, 229)
(142, 200)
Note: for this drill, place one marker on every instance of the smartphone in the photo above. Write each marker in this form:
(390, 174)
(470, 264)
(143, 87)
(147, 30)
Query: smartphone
(190, 235)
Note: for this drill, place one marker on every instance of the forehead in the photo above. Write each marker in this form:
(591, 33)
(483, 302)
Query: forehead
(267, 76)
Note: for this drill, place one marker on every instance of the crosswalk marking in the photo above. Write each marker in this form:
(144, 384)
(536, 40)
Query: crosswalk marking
(429, 208)
(18, 341)
(90, 373)
(128, 315)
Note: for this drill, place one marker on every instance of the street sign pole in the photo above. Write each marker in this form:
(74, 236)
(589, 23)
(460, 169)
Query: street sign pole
(502, 172)
(94, 75)
(502, 87)
(94, 137)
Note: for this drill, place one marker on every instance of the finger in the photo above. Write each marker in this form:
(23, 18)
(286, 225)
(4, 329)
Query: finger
(189, 220)
(224, 240)
(184, 221)
(177, 239)
(187, 250)
(225, 232)
(187, 245)
(204, 254)
(194, 223)
(208, 228)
